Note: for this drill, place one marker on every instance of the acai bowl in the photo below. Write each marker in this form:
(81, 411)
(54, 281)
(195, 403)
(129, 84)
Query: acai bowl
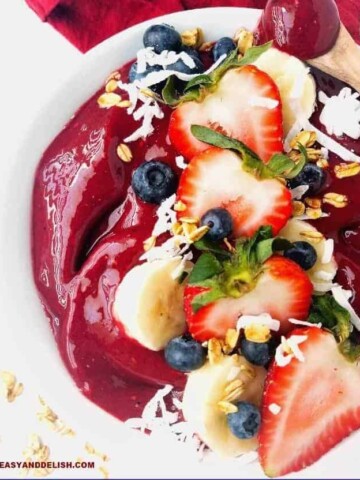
(150, 370)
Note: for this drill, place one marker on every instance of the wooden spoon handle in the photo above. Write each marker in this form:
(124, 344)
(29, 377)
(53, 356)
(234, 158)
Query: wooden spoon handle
(342, 61)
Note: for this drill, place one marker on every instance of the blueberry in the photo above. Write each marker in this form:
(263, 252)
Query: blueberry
(134, 75)
(257, 353)
(154, 181)
(180, 66)
(191, 52)
(244, 423)
(220, 222)
(312, 176)
(162, 37)
(185, 354)
(223, 47)
(303, 254)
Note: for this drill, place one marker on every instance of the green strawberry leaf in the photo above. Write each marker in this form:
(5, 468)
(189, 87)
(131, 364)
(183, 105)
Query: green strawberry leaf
(284, 167)
(169, 93)
(206, 267)
(236, 273)
(333, 316)
(171, 96)
(193, 90)
(206, 245)
(214, 294)
(232, 60)
(350, 351)
(280, 165)
(267, 248)
(199, 81)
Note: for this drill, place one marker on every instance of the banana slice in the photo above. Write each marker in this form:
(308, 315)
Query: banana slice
(149, 303)
(322, 274)
(206, 387)
(297, 87)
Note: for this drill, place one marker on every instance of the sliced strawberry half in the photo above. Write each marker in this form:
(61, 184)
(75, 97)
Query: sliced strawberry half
(246, 105)
(215, 178)
(283, 290)
(319, 402)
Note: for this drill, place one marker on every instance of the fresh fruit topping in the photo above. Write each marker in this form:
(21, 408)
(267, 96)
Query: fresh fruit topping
(296, 85)
(151, 315)
(162, 37)
(325, 268)
(180, 66)
(257, 353)
(154, 181)
(302, 253)
(256, 117)
(223, 47)
(135, 75)
(319, 401)
(191, 52)
(312, 176)
(331, 315)
(251, 282)
(199, 86)
(209, 395)
(220, 223)
(185, 354)
(215, 178)
(244, 423)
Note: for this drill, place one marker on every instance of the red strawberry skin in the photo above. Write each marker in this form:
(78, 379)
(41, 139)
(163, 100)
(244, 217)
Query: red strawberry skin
(283, 290)
(232, 110)
(215, 178)
(320, 405)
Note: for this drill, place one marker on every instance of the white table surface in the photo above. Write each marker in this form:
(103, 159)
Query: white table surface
(35, 60)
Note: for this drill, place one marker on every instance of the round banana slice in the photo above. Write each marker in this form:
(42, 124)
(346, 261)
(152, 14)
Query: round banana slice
(323, 272)
(297, 87)
(232, 379)
(149, 303)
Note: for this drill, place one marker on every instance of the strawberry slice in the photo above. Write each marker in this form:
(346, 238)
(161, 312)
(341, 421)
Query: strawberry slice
(283, 290)
(215, 178)
(319, 401)
(246, 105)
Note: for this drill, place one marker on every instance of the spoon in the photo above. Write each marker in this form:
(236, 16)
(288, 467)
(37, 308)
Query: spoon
(312, 31)
(342, 61)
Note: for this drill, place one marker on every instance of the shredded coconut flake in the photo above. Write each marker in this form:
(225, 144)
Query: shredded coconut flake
(341, 113)
(325, 153)
(162, 423)
(282, 355)
(298, 192)
(328, 251)
(264, 102)
(166, 216)
(275, 409)
(184, 266)
(342, 296)
(264, 319)
(304, 324)
(157, 77)
(147, 56)
(180, 162)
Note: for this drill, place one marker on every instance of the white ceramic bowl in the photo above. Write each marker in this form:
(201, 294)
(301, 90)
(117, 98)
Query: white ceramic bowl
(23, 323)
